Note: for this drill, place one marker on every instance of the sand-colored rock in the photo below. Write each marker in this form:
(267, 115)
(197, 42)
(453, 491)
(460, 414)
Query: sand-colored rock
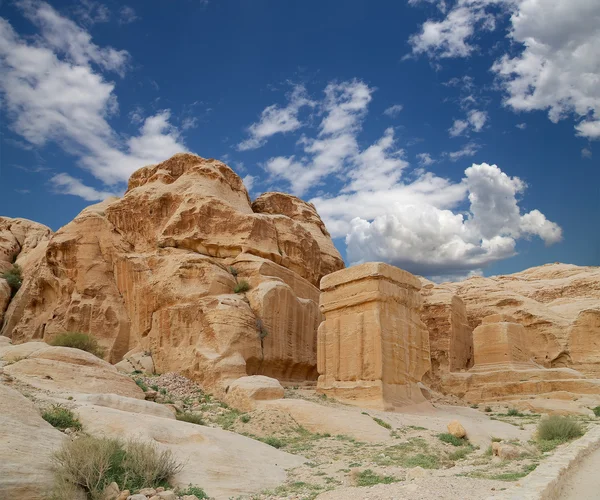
(136, 361)
(306, 215)
(5, 296)
(504, 369)
(244, 392)
(456, 429)
(27, 443)
(19, 237)
(558, 305)
(225, 464)
(63, 369)
(153, 272)
(450, 335)
(373, 348)
(123, 403)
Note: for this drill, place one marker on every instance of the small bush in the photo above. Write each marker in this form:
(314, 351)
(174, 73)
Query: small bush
(558, 428)
(193, 490)
(245, 418)
(241, 287)
(192, 418)
(78, 340)
(460, 453)
(273, 441)
(513, 412)
(93, 463)
(596, 411)
(382, 423)
(422, 460)
(14, 278)
(453, 440)
(488, 409)
(369, 478)
(233, 271)
(141, 384)
(62, 418)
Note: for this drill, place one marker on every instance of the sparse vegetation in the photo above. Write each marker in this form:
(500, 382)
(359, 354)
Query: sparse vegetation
(78, 340)
(513, 412)
(488, 409)
(61, 417)
(382, 423)
(141, 384)
(245, 418)
(596, 411)
(453, 440)
(233, 271)
(273, 441)
(558, 428)
(241, 287)
(369, 478)
(92, 463)
(192, 418)
(14, 278)
(193, 490)
(262, 331)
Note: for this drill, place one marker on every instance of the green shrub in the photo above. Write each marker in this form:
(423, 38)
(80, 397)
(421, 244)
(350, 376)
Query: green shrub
(245, 418)
(460, 453)
(513, 412)
(61, 417)
(453, 440)
(383, 423)
(193, 490)
(558, 428)
(273, 441)
(93, 463)
(78, 340)
(14, 278)
(233, 271)
(596, 411)
(369, 478)
(488, 409)
(422, 460)
(241, 287)
(192, 418)
(141, 384)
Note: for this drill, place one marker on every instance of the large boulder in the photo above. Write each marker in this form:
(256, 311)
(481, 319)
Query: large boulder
(156, 271)
(18, 238)
(27, 443)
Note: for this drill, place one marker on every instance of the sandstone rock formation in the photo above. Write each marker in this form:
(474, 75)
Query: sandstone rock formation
(558, 304)
(245, 391)
(27, 443)
(156, 271)
(450, 335)
(372, 346)
(504, 369)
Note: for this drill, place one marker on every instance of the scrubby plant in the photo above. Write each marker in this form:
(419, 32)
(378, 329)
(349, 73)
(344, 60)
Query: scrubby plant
(245, 418)
(233, 271)
(192, 418)
(272, 441)
(453, 440)
(14, 278)
(559, 428)
(513, 412)
(262, 331)
(369, 478)
(383, 423)
(241, 287)
(93, 463)
(488, 409)
(198, 492)
(596, 411)
(79, 340)
(141, 384)
(61, 417)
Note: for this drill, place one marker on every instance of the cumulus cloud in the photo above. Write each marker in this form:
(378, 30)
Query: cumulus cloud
(467, 150)
(65, 184)
(54, 91)
(556, 68)
(249, 181)
(425, 159)
(90, 12)
(277, 120)
(394, 110)
(474, 122)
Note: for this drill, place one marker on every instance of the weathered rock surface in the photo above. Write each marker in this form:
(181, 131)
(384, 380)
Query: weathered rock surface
(27, 443)
(558, 304)
(62, 369)
(456, 429)
(18, 238)
(245, 391)
(450, 335)
(373, 347)
(5, 296)
(136, 360)
(156, 270)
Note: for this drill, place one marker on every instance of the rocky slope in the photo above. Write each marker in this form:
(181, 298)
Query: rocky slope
(157, 270)
(558, 304)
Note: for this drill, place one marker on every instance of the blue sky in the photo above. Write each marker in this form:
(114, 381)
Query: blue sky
(448, 138)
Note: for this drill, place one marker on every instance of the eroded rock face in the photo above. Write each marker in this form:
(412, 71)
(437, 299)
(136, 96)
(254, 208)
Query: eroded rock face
(156, 271)
(557, 304)
(373, 348)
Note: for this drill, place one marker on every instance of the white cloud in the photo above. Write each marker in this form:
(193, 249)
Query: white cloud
(556, 68)
(277, 120)
(249, 181)
(394, 110)
(474, 122)
(127, 15)
(469, 149)
(434, 241)
(425, 159)
(52, 93)
(521, 126)
(586, 153)
(90, 12)
(189, 122)
(65, 184)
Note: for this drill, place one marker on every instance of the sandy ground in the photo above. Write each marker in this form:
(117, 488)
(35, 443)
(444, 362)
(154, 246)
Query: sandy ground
(584, 482)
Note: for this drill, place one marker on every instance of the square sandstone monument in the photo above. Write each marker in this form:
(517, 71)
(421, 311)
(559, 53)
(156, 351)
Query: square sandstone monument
(372, 346)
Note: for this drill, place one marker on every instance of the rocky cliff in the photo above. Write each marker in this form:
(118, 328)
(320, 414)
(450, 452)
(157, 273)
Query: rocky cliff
(158, 270)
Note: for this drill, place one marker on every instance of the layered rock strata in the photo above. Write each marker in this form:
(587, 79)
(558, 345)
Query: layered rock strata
(157, 271)
(373, 348)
